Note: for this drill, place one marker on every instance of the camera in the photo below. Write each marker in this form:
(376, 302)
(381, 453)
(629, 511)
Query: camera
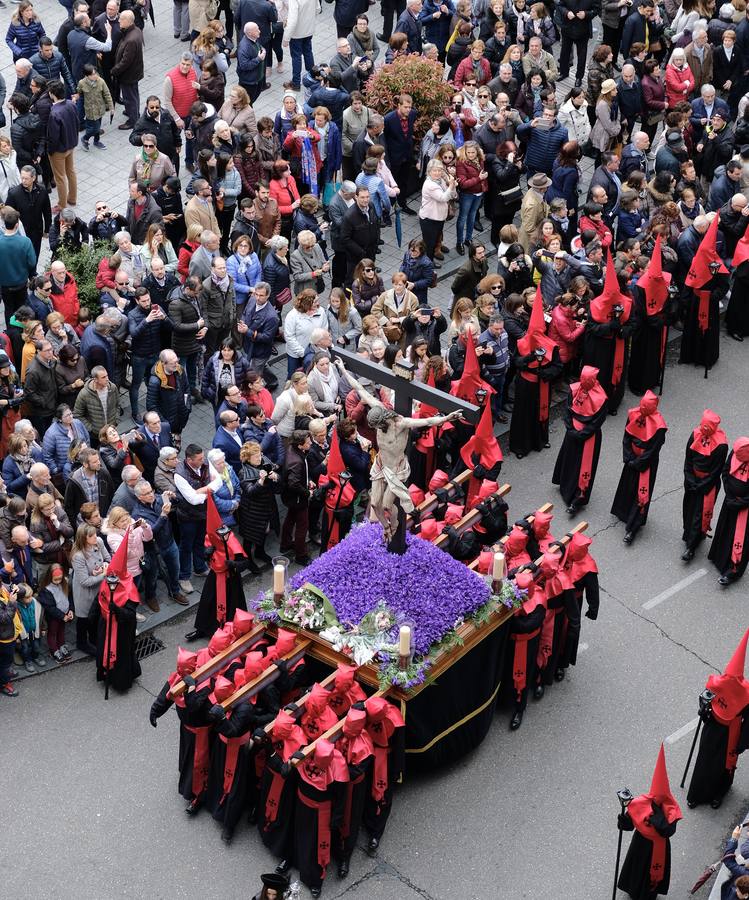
(268, 468)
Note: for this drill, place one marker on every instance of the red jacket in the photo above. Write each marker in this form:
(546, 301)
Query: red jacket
(293, 146)
(468, 177)
(284, 195)
(566, 331)
(105, 275)
(469, 122)
(66, 301)
(184, 256)
(601, 229)
(675, 90)
(465, 68)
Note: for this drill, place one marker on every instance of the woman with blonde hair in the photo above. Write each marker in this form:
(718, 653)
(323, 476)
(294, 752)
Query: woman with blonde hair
(24, 32)
(238, 113)
(344, 321)
(295, 407)
(33, 334)
(303, 318)
(371, 331)
(114, 527)
(59, 333)
(187, 248)
(463, 313)
(88, 558)
(308, 263)
(158, 244)
(50, 524)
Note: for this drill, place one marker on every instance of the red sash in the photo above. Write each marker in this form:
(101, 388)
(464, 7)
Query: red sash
(618, 367)
(111, 634)
(586, 464)
(346, 824)
(546, 643)
(658, 859)
(201, 758)
(323, 829)
(708, 505)
(277, 784)
(643, 489)
(230, 761)
(664, 331)
(703, 310)
(520, 659)
(739, 536)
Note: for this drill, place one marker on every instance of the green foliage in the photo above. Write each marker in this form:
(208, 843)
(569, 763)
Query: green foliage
(422, 78)
(83, 266)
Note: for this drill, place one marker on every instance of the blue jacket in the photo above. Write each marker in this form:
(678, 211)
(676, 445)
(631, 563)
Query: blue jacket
(172, 404)
(634, 30)
(629, 225)
(41, 309)
(147, 452)
(160, 525)
(543, 146)
(721, 191)
(346, 11)
(62, 127)
(357, 461)
(727, 891)
(243, 283)
(334, 151)
(226, 500)
(377, 192)
(400, 148)
(262, 326)
(420, 271)
(277, 275)
(240, 410)
(57, 443)
(564, 182)
(222, 440)
(91, 342)
(334, 100)
(208, 385)
(17, 260)
(146, 336)
(632, 161)
(15, 480)
(249, 64)
(23, 40)
(53, 69)
(437, 31)
(411, 27)
(270, 442)
(699, 112)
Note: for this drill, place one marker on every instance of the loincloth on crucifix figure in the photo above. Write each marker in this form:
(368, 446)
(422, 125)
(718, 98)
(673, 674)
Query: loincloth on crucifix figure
(389, 498)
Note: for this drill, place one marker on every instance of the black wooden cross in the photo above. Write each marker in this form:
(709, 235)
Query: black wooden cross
(406, 390)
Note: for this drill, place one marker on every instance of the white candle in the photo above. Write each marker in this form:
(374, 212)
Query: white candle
(404, 647)
(279, 573)
(499, 569)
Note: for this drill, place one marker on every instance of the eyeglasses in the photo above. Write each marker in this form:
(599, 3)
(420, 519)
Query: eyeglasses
(483, 96)
(74, 359)
(101, 208)
(368, 269)
(149, 146)
(121, 283)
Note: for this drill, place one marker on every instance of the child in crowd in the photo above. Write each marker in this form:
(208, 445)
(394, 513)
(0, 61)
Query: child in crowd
(54, 597)
(30, 613)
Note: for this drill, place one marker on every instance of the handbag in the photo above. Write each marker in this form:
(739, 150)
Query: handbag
(511, 195)
(393, 333)
(283, 296)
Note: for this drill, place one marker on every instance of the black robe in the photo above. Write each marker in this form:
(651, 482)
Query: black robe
(568, 616)
(377, 812)
(306, 827)
(522, 624)
(194, 714)
(527, 431)
(277, 834)
(126, 667)
(570, 458)
(625, 505)
(737, 314)
(647, 351)
(206, 621)
(736, 500)
(634, 877)
(346, 837)
(599, 346)
(701, 477)
(698, 347)
(587, 585)
(711, 780)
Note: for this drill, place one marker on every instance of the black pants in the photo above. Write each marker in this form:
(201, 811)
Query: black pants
(13, 297)
(565, 56)
(391, 10)
(338, 270)
(402, 175)
(613, 37)
(344, 30)
(431, 229)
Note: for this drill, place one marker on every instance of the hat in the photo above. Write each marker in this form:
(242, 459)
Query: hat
(4, 360)
(540, 181)
(608, 86)
(272, 880)
(289, 94)
(674, 138)
(717, 113)
(424, 309)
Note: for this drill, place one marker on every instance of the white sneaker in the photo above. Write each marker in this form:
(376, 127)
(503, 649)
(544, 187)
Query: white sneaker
(139, 617)
(187, 587)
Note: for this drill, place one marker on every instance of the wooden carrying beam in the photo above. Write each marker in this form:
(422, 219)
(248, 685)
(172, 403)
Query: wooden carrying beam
(332, 735)
(547, 507)
(266, 677)
(473, 516)
(431, 502)
(565, 539)
(301, 702)
(222, 659)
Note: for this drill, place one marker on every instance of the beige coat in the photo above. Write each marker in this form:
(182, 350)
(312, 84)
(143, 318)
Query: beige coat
(243, 121)
(202, 213)
(533, 210)
(702, 71)
(386, 306)
(199, 14)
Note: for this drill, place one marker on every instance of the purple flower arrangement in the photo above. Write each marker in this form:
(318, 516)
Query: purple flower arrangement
(424, 587)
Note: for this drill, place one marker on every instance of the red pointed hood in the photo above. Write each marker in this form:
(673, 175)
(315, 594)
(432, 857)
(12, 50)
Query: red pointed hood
(186, 661)
(707, 436)
(126, 589)
(221, 639)
(282, 725)
(425, 410)
(740, 459)
(222, 690)
(641, 808)
(601, 307)
(541, 523)
(644, 420)
(579, 560)
(453, 513)
(587, 395)
(699, 272)
(731, 689)
(654, 282)
(438, 480)
(318, 700)
(516, 541)
(356, 744)
(430, 529)
(335, 460)
(741, 253)
(324, 766)
(354, 723)
(242, 622)
(470, 381)
(344, 677)
(737, 662)
(482, 442)
(213, 522)
(487, 489)
(525, 581)
(535, 336)
(255, 664)
(285, 642)
(416, 494)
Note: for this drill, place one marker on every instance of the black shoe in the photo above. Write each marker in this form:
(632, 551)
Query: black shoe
(263, 558)
(286, 549)
(436, 265)
(253, 569)
(343, 868)
(227, 835)
(193, 807)
(460, 249)
(563, 75)
(194, 635)
(478, 225)
(520, 455)
(578, 82)
(372, 846)
(726, 579)
(736, 337)
(559, 674)
(716, 803)
(516, 721)
(283, 867)
(691, 805)
(628, 537)
(687, 554)
(538, 691)
(613, 412)
(315, 538)
(408, 211)
(381, 37)
(547, 445)
(315, 892)
(571, 509)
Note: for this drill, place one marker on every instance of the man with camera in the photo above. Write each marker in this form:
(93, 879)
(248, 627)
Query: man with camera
(427, 323)
(495, 361)
(105, 224)
(145, 321)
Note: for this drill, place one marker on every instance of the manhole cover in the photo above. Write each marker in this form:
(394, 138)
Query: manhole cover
(147, 645)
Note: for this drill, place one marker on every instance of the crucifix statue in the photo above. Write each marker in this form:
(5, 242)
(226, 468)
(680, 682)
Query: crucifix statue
(390, 500)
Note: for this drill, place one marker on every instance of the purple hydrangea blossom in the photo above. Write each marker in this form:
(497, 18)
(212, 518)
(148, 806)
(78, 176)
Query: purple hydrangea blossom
(424, 586)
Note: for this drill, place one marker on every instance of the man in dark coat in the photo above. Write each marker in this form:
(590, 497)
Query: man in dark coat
(169, 392)
(32, 204)
(606, 176)
(734, 217)
(409, 24)
(295, 493)
(159, 122)
(360, 232)
(575, 30)
(399, 141)
(262, 322)
(374, 133)
(639, 26)
(90, 483)
(337, 209)
(128, 67)
(149, 212)
(156, 434)
(263, 13)
(724, 186)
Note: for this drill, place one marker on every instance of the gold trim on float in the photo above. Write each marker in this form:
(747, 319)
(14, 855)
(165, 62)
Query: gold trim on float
(452, 728)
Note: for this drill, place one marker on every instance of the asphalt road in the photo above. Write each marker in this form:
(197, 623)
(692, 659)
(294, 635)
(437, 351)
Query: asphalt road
(89, 789)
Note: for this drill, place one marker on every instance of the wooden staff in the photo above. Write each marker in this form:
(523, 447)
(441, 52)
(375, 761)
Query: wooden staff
(431, 502)
(300, 703)
(265, 678)
(547, 507)
(221, 659)
(473, 516)
(332, 735)
(565, 539)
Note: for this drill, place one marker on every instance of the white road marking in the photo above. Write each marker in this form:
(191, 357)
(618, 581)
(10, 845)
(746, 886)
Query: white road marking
(683, 731)
(675, 588)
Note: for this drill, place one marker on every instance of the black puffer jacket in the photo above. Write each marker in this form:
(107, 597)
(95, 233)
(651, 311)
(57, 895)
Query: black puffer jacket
(26, 138)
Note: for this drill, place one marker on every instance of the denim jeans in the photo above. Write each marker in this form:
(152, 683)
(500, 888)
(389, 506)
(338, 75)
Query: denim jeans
(300, 47)
(152, 569)
(29, 649)
(468, 207)
(189, 144)
(498, 383)
(141, 366)
(191, 550)
(93, 129)
(190, 365)
(292, 364)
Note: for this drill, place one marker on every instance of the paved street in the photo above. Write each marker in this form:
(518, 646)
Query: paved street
(89, 795)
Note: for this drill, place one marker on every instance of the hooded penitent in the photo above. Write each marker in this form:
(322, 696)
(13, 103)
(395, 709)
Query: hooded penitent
(604, 307)
(699, 273)
(654, 282)
(643, 422)
(587, 398)
(218, 560)
(125, 590)
(731, 691)
(535, 340)
(470, 381)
